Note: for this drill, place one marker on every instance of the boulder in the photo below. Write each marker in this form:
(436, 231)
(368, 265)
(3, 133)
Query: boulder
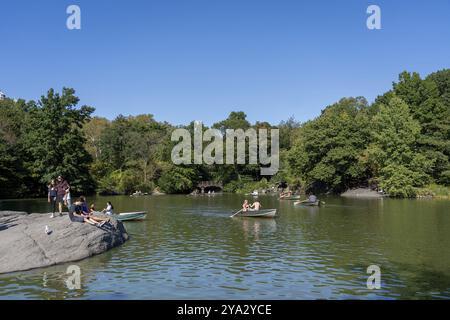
(362, 193)
(25, 245)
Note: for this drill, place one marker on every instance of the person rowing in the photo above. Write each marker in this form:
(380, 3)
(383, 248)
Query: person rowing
(286, 194)
(245, 206)
(255, 206)
(312, 198)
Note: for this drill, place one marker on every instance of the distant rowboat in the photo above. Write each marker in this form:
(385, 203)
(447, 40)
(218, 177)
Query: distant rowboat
(264, 213)
(290, 198)
(127, 216)
(307, 203)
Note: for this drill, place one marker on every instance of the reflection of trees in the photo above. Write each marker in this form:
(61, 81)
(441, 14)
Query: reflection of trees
(404, 237)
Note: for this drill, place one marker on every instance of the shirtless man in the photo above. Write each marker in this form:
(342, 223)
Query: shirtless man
(256, 205)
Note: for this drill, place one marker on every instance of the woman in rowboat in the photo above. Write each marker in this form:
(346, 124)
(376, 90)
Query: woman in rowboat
(109, 209)
(245, 206)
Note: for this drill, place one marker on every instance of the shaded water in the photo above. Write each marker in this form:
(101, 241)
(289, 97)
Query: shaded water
(189, 248)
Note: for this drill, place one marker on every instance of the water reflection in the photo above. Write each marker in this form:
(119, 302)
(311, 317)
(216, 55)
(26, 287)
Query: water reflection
(256, 227)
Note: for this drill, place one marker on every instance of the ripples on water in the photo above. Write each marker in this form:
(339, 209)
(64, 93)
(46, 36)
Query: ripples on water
(189, 248)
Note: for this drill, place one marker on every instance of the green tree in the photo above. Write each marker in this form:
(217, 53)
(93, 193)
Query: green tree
(54, 140)
(429, 105)
(15, 179)
(178, 179)
(395, 134)
(326, 150)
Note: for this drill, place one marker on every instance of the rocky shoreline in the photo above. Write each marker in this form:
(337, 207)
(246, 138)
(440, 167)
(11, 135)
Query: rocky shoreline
(25, 245)
(362, 193)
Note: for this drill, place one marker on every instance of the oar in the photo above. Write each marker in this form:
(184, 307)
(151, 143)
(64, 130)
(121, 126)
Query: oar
(235, 213)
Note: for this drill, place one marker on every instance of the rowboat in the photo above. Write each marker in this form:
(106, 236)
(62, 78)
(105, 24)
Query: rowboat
(264, 213)
(307, 203)
(127, 216)
(290, 198)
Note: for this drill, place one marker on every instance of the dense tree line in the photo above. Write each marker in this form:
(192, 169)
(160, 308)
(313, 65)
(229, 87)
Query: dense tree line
(400, 144)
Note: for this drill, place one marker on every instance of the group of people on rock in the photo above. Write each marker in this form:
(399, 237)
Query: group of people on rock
(79, 211)
(59, 194)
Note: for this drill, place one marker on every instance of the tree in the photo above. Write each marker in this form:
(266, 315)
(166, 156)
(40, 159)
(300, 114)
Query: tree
(14, 178)
(394, 138)
(428, 100)
(326, 150)
(93, 130)
(54, 140)
(177, 179)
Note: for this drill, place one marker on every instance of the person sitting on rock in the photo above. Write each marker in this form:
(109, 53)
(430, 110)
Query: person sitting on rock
(79, 213)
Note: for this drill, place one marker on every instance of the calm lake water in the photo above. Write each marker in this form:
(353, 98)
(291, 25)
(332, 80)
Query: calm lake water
(189, 248)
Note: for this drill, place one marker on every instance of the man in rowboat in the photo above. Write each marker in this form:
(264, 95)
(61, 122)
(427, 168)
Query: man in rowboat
(286, 194)
(312, 198)
(256, 206)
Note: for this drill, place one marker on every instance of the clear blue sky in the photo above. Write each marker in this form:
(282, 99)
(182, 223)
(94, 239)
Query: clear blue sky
(200, 59)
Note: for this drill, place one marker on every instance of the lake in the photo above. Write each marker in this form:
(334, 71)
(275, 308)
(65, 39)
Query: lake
(189, 248)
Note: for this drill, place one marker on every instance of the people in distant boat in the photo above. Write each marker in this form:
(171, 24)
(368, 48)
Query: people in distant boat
(109, 210)
(245, 206)
(312, 198)
(286, 194)
(62, 188)
(256, 206)
(52, 195)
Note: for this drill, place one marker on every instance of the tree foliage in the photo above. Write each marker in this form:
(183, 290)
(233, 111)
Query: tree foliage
(400, 143)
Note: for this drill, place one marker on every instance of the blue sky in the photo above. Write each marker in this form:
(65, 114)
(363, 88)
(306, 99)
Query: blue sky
(200, 59)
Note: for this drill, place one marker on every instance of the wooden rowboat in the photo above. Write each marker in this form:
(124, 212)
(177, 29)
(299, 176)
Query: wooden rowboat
(127, 216)
(264, 213)
(307, 203)
(290, 198)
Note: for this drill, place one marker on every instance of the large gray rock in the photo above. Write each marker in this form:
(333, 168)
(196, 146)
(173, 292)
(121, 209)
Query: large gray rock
(362, 193)
(24, 244)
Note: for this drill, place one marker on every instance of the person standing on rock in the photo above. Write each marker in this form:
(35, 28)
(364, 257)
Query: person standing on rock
(52, 195)
(62, 188)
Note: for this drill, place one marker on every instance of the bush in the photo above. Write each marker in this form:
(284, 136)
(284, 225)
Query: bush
(178, 180)
(433, 190)
(121, 181)
(397, 181)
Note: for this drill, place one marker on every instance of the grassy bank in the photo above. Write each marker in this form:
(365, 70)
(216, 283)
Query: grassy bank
(434, 191)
